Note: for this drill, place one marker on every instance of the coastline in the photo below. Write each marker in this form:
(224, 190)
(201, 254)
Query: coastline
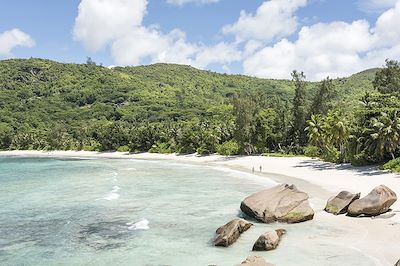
(331, 177)
(376, 238)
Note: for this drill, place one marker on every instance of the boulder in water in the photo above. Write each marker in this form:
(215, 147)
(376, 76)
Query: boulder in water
(230, 232)
(340, 203)
(378, 201)
(269, 240)
(282, 203)
(255, 261)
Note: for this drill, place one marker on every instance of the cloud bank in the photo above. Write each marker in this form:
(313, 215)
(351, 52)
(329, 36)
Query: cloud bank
(269, 43)
(118, 24)
(331, 49)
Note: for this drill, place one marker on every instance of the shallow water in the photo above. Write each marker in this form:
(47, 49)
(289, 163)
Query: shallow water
(132, 212)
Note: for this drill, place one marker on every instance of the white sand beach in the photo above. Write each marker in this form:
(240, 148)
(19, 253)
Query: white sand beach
(377, 237)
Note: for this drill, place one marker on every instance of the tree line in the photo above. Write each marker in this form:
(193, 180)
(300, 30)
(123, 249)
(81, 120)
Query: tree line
(170, 108)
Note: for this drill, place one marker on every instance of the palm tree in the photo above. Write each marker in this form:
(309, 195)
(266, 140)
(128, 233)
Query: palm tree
(367, 101)
(338, 131)
(384, 135)
(316, 131)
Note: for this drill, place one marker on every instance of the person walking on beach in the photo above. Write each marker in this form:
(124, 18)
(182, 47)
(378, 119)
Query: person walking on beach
(260, 168)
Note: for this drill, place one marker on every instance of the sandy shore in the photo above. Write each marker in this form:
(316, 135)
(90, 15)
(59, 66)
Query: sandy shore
(330, 177)
(376, 237)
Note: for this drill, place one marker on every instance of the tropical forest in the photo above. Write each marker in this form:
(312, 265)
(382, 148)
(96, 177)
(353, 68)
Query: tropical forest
(168, 108)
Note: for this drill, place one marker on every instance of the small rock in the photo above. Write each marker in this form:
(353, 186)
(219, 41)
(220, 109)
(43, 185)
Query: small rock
(255, 261)
(340, 203)
(269, 240)
(230, 232)
(378, 201)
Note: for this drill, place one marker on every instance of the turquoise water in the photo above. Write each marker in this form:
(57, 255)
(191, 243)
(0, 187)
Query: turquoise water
(132, 212)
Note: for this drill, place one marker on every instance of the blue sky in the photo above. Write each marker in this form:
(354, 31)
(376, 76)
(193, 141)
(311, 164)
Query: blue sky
(271, 38)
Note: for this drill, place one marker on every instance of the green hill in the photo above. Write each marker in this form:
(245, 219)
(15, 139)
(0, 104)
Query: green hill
(50, 105)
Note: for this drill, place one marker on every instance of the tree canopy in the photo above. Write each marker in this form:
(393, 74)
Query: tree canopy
(175, 108)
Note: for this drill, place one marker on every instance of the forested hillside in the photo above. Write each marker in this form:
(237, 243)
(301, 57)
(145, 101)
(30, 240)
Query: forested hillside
(166, 108)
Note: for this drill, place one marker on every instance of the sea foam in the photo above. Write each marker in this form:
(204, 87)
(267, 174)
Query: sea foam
(143, 224)
(113, 195)
(129, 169)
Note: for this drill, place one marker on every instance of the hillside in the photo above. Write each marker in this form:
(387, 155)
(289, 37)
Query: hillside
(42, 100)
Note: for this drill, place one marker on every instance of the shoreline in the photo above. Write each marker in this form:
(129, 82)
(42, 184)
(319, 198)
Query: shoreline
(329, 176)
(319, 179)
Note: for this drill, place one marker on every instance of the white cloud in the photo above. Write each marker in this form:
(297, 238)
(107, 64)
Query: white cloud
(13, 38)
(375, 6)
(221, 53)
(99, 22)
(274, 19)
(183, 2)
(335, 49)
(149, 43)
(387, 29)
(322, 49)
(105, 22)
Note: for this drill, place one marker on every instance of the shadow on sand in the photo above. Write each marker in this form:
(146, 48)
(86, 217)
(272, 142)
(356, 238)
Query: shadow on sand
(371, 170)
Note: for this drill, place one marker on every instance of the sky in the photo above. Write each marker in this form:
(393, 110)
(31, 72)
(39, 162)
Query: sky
(263, 38)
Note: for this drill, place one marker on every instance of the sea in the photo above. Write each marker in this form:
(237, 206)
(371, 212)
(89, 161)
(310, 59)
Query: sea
(58, 211)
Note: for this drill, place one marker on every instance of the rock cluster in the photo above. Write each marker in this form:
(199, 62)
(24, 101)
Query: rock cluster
(377, 202)
(282, 203)
(285, 203)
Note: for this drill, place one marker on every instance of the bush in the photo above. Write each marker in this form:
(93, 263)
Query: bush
(333, 155)
(228, 148)
(203, 150)
(359, 159)
(393, 165)
(161, 147)
(123, 149)
(312, 151)
(92, 145)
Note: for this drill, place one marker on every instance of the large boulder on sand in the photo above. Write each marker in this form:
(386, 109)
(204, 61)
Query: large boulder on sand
(282, 203)
(269, 240)
(255, 261)
(340, 203)
(378, 201)
(230, 232)
(398, 263)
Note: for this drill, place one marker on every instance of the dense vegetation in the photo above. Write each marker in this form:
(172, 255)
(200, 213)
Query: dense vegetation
(174, 108)
(370, 133)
